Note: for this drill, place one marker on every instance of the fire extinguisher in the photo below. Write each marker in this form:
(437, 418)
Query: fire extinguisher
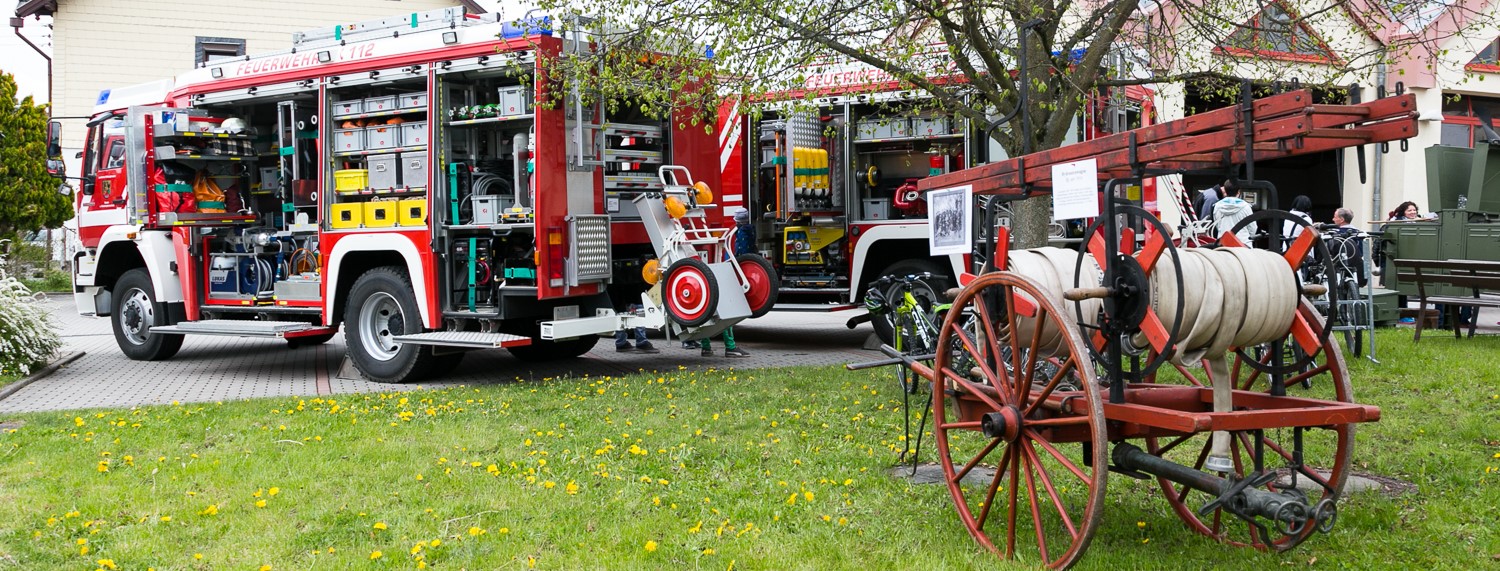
(935, 164)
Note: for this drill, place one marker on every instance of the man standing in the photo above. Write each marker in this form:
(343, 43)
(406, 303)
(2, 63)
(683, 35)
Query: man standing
(1207, 197)
(1230, 210)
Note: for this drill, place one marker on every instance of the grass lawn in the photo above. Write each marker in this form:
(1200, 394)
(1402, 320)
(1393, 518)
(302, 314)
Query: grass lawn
(6, 379)
(775, 469)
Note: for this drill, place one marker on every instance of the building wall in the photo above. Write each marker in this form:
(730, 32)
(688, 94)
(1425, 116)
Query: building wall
(103, 44)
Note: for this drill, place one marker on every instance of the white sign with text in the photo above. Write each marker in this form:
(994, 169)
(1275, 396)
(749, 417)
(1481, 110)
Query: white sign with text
(1075, 190)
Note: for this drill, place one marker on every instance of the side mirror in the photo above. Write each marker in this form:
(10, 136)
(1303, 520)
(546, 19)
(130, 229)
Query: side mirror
(54, 139)
(57, 168)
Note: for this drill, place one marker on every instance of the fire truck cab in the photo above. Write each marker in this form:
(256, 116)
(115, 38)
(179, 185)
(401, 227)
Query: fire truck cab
(413, 180)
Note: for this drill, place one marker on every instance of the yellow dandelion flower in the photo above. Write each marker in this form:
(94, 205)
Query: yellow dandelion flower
(474, 531)
(260, 503)
(380, 525)
(808, 496)
(82, 541)
(419, 477)
(843, 521)
(273, 491)
(435, 543)
(265, 568)
(504, 530)
(106, 563)
(83, 550)
(791, 500)
(212, 509)
(415, 549)
(421, 565)
(572, 487)
(549, 484)
(650, 546)
(166, 518)
(198, 556)
(708, 551)
(1140, 524)
(376, 555)
(827, 517)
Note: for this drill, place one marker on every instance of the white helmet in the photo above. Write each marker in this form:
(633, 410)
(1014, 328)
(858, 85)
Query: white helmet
(233, 125)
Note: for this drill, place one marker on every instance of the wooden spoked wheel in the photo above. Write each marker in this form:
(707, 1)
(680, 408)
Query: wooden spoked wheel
(1326, 449)
(1007, 435)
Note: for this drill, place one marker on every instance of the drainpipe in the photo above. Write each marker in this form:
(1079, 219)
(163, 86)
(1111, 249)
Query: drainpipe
(1375, 199)
(15, 24)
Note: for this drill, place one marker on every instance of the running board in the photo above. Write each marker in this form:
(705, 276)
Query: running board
(814, 307)
(465, 339)
(238, 328)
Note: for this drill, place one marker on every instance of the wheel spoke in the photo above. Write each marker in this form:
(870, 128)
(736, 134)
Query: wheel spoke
(959, 475)
(1155, 246)
(986, 359)
(1189, 376)
(1066, 463)
(1051, 490)
(1173, 444)
(1024, 377)
(1062, 373)
(970, 388)
(1057, 421)
(989, 498)
(1010, 539)
(1036, 512)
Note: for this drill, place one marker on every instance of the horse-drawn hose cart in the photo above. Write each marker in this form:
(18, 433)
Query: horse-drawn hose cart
(1055, 368)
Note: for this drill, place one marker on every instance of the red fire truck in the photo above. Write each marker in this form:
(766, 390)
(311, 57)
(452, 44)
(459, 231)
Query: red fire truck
(412, 180)
(833, 191)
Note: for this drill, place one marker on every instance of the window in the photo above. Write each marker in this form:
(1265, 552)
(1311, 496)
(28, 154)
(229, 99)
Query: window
(1462, 117)
(1276, 30)
(207, 49)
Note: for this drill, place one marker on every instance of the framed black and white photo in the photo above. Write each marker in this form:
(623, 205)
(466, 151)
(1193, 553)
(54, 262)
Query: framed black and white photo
(949, 219)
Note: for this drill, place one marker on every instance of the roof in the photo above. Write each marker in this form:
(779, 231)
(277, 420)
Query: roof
(48, 7)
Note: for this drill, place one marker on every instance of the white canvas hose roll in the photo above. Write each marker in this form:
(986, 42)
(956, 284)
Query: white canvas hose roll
(1231, 298)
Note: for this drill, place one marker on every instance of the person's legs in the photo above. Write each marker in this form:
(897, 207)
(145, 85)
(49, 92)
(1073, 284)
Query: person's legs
(621, 344)
(730, 350)
(642, 343)
(706, 347)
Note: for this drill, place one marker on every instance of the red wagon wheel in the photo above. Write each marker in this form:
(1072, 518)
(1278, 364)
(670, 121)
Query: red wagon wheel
(1327, 449)
(761, 278)
(692, 293)
(1003, 418)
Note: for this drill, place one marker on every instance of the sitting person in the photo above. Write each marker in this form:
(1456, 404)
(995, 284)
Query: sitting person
(1406, 211)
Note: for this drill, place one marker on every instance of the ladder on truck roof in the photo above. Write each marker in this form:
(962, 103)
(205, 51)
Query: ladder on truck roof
(1279, 126)
(417, 22)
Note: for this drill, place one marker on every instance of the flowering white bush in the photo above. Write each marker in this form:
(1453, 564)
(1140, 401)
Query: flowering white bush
(26, 335)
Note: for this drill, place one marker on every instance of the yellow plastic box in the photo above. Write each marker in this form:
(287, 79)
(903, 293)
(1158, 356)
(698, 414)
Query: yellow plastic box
(345, 216)
(412, 212)
(380, 214)
(351, 180)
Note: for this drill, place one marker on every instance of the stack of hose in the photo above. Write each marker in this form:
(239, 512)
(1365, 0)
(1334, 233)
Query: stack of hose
(1231, 298)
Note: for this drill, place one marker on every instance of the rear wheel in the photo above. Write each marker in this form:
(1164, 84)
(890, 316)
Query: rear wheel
(762, 280)
(381, 307)
(133, 316)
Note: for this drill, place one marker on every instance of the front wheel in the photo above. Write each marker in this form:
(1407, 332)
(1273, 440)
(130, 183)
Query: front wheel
(133, 316)
(692, 295)
(381, 307)
(761, 278)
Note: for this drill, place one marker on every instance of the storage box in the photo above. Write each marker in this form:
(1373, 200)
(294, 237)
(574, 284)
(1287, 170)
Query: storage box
(416, 100)
(877, 208)
(931, 126)
(270, 178)
(892, 128)
(380, 213)
(385, 172)
(486, 209)
(414, 170)
(346, 215)
(382, 137)
(514, 100)
(352, 107)
(351, 180)
(412, 212)
(864, 129)
(413, 134)
(380, 104)
(348, 140)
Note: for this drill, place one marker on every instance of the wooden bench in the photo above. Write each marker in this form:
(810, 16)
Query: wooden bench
(1475, 275)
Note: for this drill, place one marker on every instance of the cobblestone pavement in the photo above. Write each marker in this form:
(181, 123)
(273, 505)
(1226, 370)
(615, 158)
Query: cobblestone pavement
(212, 368)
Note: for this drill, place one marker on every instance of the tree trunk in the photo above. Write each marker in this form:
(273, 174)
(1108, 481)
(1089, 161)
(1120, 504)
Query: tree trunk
(1032, 218)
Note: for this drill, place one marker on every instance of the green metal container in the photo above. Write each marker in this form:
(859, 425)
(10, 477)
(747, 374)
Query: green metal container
(1457, 171)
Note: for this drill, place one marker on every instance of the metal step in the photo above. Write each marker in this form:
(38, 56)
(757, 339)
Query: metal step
(236, 327)
(813, 307)
(469, 339)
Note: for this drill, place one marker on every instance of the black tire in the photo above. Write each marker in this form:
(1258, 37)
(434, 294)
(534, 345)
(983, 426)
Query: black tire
(309, 340)
(133, 315)
(381, 305)
(930, 294)
(690, 294)
(758, 261)
(543, 350)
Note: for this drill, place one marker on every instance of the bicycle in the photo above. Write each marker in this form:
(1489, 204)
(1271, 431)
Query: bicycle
(913, 321)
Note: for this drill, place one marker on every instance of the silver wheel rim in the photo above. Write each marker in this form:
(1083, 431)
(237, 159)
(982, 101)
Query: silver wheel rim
(380, 320)
(136, 317)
